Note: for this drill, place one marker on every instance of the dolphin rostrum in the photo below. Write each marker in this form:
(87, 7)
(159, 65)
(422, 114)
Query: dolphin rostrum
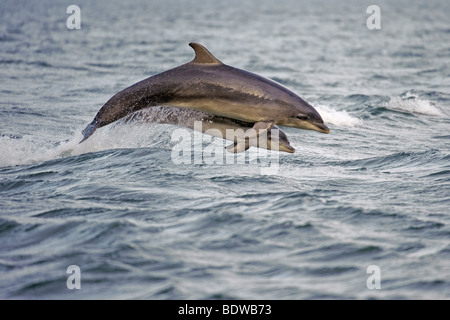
(206, 84)
(213, 125)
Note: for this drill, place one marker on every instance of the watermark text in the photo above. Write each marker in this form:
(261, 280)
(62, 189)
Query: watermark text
(74, 20)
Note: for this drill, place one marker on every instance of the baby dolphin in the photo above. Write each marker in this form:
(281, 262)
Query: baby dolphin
(213, 125)
(206, 84)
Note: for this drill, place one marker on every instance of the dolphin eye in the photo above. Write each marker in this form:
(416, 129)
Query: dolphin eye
(301, 117)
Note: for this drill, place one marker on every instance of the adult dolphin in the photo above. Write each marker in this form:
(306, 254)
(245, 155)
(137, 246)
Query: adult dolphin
(208, 85)
(212, 125)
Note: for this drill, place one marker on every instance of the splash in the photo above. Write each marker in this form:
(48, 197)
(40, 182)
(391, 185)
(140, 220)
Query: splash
(31, 149)
(339, 118)
(411, 102)
(28, 150)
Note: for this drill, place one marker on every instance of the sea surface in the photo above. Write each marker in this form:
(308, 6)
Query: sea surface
(360, 213)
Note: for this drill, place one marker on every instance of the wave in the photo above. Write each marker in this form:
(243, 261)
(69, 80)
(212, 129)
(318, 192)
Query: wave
(411, 102)
(398, 160)
(339, 118)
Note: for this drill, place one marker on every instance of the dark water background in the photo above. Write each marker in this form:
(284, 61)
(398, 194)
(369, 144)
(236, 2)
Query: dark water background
(375, 191)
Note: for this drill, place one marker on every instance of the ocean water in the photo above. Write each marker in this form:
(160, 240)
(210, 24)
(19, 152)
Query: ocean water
(139, 225)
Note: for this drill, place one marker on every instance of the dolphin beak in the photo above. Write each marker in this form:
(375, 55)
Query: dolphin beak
(287, 149)
(320, 127)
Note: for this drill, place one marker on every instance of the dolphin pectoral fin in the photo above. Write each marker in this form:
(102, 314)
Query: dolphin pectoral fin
(89, 130)
(238, 147)
(263, 125)
(257, 129)
(232, 148)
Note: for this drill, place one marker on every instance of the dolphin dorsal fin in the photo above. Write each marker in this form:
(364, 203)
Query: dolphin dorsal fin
(202, 55)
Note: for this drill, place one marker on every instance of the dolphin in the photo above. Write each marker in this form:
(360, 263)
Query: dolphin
(213, 125)
(206, 84)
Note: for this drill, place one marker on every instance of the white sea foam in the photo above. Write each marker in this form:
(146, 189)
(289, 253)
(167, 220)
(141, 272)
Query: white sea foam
(29, 149)
(32, 149)
(338, 117)
(411, 102)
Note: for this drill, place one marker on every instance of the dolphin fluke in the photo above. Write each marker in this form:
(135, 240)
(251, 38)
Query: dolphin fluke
(89, 130)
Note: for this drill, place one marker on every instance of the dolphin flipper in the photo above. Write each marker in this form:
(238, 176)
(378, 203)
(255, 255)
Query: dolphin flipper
(238, 147)
(257, 129)
(254, 132)
(243, 141)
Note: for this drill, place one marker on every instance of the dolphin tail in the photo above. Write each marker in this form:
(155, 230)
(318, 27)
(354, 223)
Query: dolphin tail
(89, 130)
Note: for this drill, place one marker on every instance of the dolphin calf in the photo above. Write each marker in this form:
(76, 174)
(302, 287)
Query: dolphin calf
(206, 84)
(213, 125)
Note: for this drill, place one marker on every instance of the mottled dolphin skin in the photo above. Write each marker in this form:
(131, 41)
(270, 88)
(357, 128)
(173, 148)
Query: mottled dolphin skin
(206, 84)
(211, 124)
